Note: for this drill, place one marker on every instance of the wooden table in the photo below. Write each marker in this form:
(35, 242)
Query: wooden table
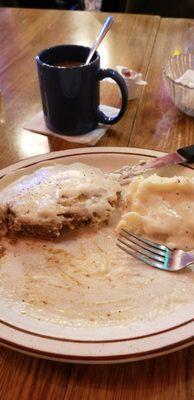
(151, 121)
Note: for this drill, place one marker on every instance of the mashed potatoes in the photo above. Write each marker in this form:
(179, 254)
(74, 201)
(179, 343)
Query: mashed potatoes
(162, 209)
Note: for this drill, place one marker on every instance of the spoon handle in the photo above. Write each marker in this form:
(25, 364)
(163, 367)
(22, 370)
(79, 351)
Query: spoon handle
(107, 25)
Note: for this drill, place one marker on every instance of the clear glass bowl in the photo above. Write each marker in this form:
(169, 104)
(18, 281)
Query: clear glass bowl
(182, 96)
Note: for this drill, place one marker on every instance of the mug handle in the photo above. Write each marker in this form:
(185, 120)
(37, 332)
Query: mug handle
(110, 73)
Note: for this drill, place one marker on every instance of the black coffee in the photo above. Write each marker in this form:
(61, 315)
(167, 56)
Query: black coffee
(68, 64)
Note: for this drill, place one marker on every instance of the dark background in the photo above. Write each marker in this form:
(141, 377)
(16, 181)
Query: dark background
(164, 8)
(64, 4)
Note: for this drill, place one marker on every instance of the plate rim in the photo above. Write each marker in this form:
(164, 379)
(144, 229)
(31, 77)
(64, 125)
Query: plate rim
(84, 150)
(164, 350)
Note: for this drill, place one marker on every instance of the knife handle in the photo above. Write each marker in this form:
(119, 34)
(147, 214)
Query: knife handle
(187, 152)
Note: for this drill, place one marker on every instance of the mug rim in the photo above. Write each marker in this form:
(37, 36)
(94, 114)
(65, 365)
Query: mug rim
(47, 49)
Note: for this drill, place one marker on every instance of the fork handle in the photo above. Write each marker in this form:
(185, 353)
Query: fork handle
(187, 152)
(187, 258)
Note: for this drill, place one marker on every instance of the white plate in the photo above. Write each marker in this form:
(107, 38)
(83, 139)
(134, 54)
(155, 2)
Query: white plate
(145, 335)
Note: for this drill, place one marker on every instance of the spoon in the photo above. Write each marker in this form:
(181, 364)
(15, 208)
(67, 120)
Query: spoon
(107, 25)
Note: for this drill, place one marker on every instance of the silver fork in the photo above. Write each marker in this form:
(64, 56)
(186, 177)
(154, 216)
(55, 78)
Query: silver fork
(152, 253)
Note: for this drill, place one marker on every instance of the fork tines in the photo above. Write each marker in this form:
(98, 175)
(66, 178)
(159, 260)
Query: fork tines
(143, 249)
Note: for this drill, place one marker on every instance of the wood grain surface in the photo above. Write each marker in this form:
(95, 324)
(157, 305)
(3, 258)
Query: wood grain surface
(159, 124)
(164, 378)
(141, 42)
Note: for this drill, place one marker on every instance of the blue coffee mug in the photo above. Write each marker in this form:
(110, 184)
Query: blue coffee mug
(70, 95)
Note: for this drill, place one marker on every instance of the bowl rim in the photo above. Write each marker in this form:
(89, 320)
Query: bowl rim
(172, 79)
